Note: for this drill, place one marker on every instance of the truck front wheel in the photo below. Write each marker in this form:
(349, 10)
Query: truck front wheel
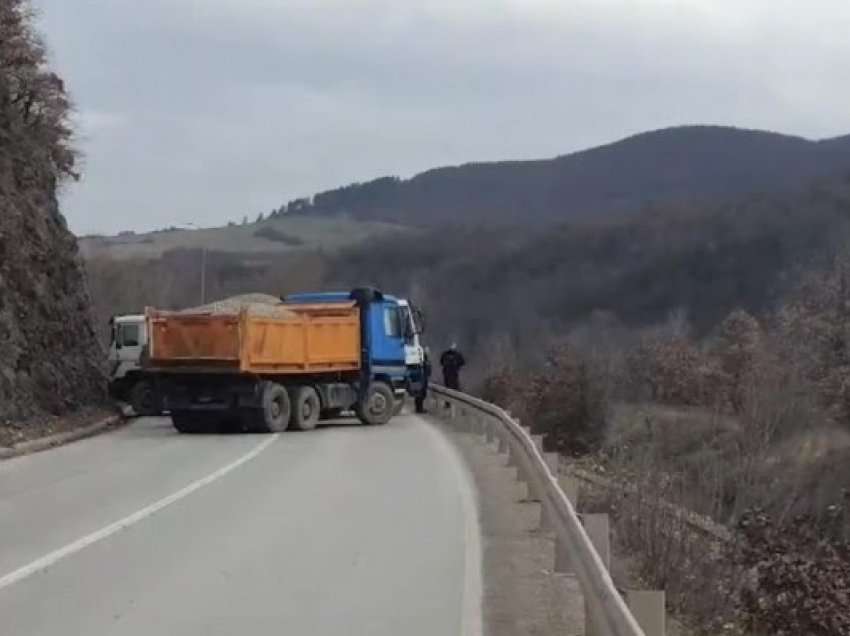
(144, 400)
(377, 404)
(306, 408)
(276, 408)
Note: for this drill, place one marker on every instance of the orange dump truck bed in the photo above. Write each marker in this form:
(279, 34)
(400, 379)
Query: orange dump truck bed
(308, 339)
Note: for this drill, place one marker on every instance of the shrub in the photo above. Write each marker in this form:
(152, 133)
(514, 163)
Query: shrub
(797, 583)
(568, 403)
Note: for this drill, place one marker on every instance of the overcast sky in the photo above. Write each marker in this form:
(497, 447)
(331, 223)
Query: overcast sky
(206, 110)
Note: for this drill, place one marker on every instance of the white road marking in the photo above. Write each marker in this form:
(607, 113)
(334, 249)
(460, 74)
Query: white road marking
(471, 619)
(49, 559)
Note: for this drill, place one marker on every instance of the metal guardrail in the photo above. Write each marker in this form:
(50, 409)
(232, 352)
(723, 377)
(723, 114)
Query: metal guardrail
(608, 612)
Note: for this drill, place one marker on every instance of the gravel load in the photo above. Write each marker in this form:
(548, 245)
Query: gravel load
(263, 305)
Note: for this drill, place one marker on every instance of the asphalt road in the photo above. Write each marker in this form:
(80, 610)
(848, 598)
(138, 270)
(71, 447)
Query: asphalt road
(342, 530)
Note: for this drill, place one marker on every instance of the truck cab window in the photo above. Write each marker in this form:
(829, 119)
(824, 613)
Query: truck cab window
(128, 335)
(392, 322)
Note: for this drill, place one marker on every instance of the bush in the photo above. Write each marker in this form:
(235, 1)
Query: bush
(675, 371)
(797, 583)
(567, 402)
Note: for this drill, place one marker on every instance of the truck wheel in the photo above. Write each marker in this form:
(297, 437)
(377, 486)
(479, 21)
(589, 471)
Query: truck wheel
(275, 410)
(188, 422)
(376, 406)
(306, 407)
(144, 400)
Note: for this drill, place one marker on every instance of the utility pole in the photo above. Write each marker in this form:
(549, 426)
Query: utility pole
(203, 265)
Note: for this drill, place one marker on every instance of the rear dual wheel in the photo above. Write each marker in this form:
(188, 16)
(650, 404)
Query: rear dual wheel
(275, 408)
(306, 408)
(298, 407)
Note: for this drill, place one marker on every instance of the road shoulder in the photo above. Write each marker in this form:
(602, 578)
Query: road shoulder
(521, 593)
(70, 429)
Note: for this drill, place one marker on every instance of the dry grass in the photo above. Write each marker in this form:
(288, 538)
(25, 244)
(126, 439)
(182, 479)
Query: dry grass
(303, 233)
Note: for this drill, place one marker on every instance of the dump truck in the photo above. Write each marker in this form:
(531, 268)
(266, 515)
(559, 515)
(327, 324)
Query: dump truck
(285, 366)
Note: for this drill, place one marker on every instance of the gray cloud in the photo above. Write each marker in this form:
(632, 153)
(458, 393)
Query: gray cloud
(205, 110)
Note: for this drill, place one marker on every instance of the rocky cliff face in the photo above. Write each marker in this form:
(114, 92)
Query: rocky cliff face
(49, 357)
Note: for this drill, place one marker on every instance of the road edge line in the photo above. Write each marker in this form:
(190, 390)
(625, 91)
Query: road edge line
(472, 602)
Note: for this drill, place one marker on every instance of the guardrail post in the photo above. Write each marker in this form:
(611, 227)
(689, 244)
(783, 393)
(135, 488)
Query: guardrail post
(488, 431)
(647, 606)
(463, 420)
(562, 557)
(503, 445)
(475, 424)
(598, 530)
(570, 486)
(545, 520)
(538, 441)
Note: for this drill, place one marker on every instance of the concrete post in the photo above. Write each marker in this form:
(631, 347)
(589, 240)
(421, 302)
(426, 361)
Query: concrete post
(552, 462)
(489, 435)
(538, 442)
(545, 519)
(570, 486)
(647, 606)
(477, 424)
(463, 420)
(598, 529)
(503, 445)
(562, 557)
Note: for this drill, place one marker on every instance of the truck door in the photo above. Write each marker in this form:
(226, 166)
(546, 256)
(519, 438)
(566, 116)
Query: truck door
(387, 336)
(129, 341)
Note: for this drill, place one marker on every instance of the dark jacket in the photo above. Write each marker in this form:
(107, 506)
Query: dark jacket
(452, 359)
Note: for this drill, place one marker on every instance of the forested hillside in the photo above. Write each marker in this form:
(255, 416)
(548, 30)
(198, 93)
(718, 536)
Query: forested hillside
(477, 284)
(691, 164)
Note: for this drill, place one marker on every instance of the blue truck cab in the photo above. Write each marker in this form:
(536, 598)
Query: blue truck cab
(390, 331)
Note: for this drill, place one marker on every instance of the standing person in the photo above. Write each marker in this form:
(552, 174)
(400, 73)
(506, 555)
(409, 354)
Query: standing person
(452, 362)
(426, 374)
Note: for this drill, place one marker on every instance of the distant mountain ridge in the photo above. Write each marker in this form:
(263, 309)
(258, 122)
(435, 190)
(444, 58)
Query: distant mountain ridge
(681, 163)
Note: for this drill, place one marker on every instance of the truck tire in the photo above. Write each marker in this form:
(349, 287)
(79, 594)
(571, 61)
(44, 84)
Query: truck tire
(144, 400)
(189, 423)
(377, 404)
(306, 408)
(275, 410)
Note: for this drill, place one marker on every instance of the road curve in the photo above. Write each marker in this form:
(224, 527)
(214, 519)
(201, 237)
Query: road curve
(343, 530)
